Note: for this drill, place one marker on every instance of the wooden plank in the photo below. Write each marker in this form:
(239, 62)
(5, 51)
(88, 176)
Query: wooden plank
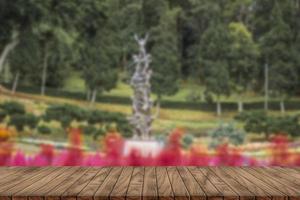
(255, 189)
(179, 188)
(291, 177)
(16, 178)
(19, 179)
(59, 190)
(11, 175)
(121, 187)
(295, 173)
(150, 184)
(273, 192)
(137, 183)
(210, 190)
(228, 193)
(5, 172)
(135, 188)
(108, 185)
(38, 183)
(88, 192)
(194, 189)
(44, 190)
(80, 184)
(241, 190)
(165, 191)
(24, 184)
(279, 183)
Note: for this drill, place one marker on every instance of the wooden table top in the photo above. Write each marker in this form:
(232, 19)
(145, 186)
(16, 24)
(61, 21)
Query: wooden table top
(133, 183)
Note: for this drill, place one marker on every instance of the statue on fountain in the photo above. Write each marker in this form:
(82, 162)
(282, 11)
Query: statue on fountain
(142, 104)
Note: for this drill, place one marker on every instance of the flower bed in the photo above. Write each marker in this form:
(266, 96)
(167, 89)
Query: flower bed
(278, 151)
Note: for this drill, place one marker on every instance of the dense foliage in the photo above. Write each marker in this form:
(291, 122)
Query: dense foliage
(93, 122)
(260, 122)
(227, 46)
(226, 133)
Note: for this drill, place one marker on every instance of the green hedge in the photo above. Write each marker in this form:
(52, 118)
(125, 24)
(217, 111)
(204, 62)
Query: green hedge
(261, 122)
(12, 108)
(226, 106)
(3, 114)
(44, 130)
(20, 121)
(66, 113)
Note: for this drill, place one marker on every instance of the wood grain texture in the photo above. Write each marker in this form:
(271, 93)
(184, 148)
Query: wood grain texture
(88, 192)
(194, 189)
(58, 191)
(108, 185)
(238, 188)
(165, 191)
(251, 186)
(179, 188)
(120, 190)
(210, 190)
(135, 188)
(221, 186)
(149, 183)
(47, 188)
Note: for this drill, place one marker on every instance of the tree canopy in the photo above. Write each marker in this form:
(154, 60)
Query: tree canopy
(223, 45)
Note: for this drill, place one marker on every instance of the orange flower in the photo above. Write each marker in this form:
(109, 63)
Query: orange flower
(4, 134)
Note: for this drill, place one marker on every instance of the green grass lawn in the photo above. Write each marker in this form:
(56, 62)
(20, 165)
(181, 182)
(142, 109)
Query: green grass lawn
(75, 83)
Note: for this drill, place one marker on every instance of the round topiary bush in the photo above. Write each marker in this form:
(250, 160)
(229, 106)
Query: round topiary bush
(63, 112)
(226, 133)
(3, 115)
(44, 130)
(13, 108)
(20, 121)
(88, 130)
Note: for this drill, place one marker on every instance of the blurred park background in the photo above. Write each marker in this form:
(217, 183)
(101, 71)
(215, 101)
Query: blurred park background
(225, 77)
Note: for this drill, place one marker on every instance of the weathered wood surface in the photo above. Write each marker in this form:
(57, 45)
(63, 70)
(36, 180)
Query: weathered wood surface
(151, 183)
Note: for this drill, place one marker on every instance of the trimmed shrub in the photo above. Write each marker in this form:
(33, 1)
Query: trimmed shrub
(13, 108)
(260, 123)
(187, 141)
(3, 115)
(97, 116)
(226, 133)
(44, 130)
(89, 130)
(125, 129)
(65, 114)
(65, 121)
(251, 115)
(100, 132)
(20, 121)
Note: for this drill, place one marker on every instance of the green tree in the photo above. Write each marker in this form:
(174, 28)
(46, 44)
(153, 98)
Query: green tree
(279, 50)
(98, 67)
(243, 56)
(16, 17)
(152, 12)
(239, 11)
(24, 59)
(98, 46)
(55, 34)
(213, 65)
(125, 19)
(165, 56)
(196, 21)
